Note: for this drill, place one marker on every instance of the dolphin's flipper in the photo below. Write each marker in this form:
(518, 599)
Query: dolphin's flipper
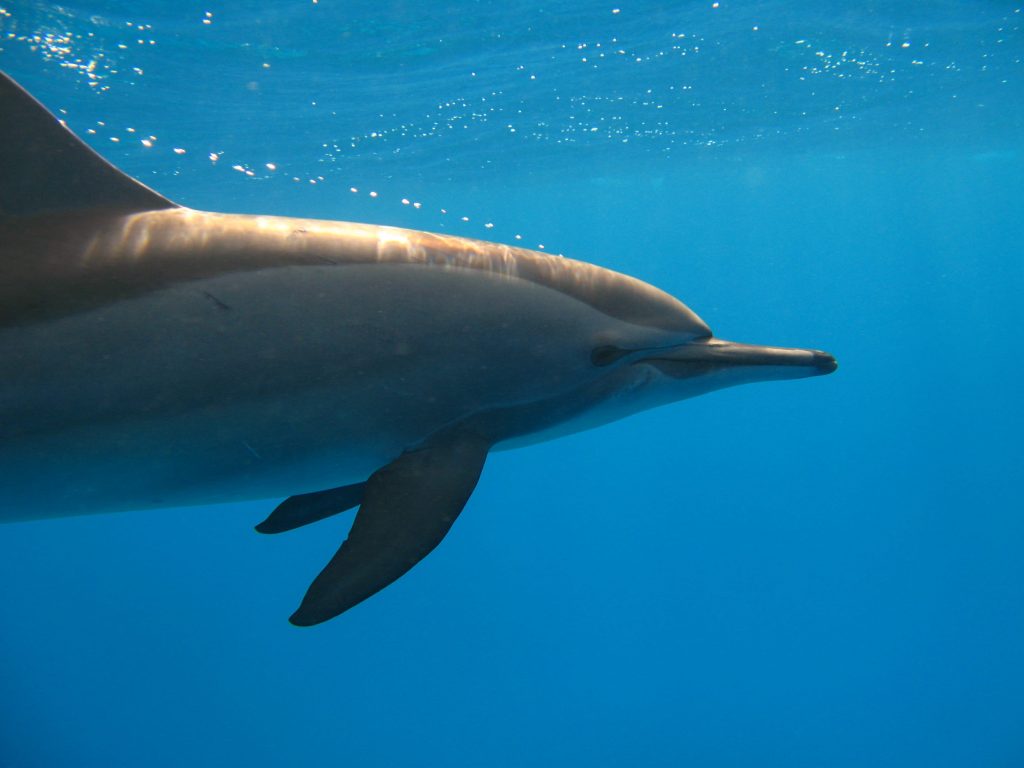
(408, 507)
(47, 168)
(306, 508)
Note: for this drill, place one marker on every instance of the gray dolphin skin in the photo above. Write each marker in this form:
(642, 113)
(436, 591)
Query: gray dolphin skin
(155, 356)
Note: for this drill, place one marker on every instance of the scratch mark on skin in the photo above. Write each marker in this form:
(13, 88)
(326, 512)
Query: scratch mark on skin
(220, 304)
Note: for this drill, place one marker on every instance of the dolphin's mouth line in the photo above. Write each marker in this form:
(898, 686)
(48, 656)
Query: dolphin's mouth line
(697, 358)
(711, 351)
(606, 354)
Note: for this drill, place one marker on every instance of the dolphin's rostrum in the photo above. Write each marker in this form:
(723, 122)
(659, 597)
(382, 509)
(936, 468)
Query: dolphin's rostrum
(152, 355)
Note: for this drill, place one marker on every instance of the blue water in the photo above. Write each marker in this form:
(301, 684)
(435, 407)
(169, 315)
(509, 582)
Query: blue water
(827, 572)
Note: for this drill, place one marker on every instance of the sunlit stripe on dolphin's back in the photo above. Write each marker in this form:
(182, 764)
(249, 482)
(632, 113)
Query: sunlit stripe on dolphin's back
(123, 256)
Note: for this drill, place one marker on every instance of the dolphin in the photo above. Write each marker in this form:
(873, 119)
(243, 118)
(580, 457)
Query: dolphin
(152, 355)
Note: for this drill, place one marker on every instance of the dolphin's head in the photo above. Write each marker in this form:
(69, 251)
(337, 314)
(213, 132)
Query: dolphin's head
(653, 349)
(635, 366)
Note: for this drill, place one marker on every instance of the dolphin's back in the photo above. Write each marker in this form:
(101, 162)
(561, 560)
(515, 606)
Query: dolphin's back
(76, 233)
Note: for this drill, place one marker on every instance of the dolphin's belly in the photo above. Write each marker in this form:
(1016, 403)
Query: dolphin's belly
(269, 383)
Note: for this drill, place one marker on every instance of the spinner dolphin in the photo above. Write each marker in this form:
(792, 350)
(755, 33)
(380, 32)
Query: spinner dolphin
(152, 355)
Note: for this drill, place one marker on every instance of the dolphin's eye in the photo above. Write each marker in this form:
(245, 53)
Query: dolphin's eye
(606, 355)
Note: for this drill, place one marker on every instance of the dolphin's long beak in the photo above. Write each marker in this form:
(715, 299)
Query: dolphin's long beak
(759, 363)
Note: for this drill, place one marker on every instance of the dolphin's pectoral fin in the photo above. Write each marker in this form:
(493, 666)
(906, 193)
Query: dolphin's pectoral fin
(306, 508)
(408, 507)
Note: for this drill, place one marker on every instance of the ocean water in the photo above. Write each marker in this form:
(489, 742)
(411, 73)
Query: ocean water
(826, 572)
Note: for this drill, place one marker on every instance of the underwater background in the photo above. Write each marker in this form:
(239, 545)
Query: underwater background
(826, 572)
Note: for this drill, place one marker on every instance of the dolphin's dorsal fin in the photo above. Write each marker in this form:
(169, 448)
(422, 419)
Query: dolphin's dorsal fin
(408, 507)
(306, 508)
(44, 167)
